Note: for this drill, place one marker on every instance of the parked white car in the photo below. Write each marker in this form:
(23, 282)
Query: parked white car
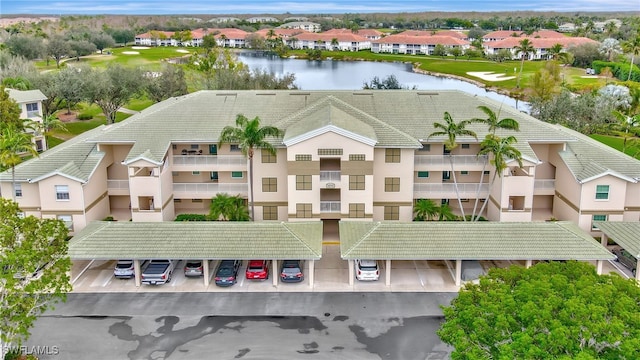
(124, 269)
(367, 270)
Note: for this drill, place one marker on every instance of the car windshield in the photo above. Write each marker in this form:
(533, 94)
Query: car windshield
(123, 265)
(368, 268)
(255, 267)
(193, 264)
(225, 271)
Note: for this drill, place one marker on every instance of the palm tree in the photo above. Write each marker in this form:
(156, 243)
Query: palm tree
(225, 207)
(493, 123)
(249, 135)
(524, 49)
(446, 214)
(452, 130)
(49, 123)
(334, 44)
(15, 144)
(633, 47)
(500, 149)
(424, 210)
(626, 124)
(555, 51)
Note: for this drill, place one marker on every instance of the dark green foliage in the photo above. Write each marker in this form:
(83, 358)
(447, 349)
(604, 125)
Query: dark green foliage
(619, 70)
(191, 217)
(555, 310)
(85, 116)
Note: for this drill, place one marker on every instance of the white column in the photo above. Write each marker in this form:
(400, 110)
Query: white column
(274, 272)
(205, 270)
(599, 267)
(351, 272)
(137, 271)
(458, 272)
(528, 263)
(603, 239)
(638, 270)
(311, 272)
(387, 269)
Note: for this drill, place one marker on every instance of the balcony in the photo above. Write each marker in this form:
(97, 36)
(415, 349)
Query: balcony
(438, 190)
(329, 206)
(208, 190)
(118, 187)
(209, 163)
(442, 162)
(330, 179)
(544, 187)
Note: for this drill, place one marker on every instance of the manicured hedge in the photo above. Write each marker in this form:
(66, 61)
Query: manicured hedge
(619, 70)
(191, 217)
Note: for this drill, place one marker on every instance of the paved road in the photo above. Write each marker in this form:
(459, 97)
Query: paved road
(245, 326)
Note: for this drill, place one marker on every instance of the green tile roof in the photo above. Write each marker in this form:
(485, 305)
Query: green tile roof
(468, 241)
(198, 240)
(624, 233)
(75, 159)
(27, 96)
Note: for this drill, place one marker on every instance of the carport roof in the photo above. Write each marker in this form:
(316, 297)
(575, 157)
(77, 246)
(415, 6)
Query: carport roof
(108, 240)
(468, 241)
(626, 234)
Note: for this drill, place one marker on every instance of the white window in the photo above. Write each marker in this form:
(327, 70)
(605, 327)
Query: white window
(68, 221)
(18, 189)
(62, 192)
(235, 147)
(32, 107)
(602, 192)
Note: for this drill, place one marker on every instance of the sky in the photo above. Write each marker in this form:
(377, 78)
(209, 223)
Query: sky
(166, 7)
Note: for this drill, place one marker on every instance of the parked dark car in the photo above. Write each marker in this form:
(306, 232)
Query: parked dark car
(291, 271)
(626, 259)
(227, 272)
(193, 268)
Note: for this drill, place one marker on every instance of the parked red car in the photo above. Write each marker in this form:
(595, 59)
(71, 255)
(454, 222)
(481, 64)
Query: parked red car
(257, 270)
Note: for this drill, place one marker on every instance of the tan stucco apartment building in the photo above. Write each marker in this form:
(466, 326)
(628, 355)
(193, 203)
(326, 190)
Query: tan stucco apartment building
(356, 155)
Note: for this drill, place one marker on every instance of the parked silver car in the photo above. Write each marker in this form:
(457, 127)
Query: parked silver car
(124, 269)
(367, 270)
(193, 268)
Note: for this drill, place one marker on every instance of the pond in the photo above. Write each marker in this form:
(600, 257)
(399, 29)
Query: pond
(352, 75)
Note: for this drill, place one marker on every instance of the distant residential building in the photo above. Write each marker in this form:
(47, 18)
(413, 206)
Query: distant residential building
(371, 34)
(567, 27)
(30, 103)
(224, 19)
(296, 18)
(303, 25)
(415, 44)
(262, 19)
(541, 45)
(323, 41)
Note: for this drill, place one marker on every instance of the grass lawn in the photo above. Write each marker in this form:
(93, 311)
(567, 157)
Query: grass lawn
(616, 143)
(128, 56)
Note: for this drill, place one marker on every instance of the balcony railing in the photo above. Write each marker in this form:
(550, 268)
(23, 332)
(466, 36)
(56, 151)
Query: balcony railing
(209, 160)
(211, 188)
(444, 160)
(469, 189)
(329, 175)
(544, 184)
(330, 206)
(118, 184)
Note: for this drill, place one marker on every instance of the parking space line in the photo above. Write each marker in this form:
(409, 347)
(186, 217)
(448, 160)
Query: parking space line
(82, 272)
(418, 272)
(108, 281)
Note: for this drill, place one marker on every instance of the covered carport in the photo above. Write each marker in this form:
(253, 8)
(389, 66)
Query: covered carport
(625, 234)
(458, 241)
(112, 240)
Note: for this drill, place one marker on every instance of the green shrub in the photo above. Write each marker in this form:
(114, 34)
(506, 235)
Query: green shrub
(14, 353)
(619, 70)
(191, 217)
(85, 116)
(109, 218)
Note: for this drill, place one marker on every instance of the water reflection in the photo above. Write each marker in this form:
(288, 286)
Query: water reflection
(352, 75)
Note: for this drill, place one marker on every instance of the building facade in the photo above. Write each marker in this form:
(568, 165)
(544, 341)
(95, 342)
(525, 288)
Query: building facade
(30, 103)
(357, 155)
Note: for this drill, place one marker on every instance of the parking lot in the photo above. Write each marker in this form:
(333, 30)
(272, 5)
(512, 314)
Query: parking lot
(331, 275)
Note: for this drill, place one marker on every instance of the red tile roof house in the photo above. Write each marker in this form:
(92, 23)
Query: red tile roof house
(156, 38)
(322, 41)
(541, 45)
(415, 44)
(371, 34)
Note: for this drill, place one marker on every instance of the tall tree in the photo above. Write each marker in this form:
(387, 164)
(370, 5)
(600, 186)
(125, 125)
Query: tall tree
(35, 271)
(168, 83)
(249, 135)
(9, 111)
(225, 207)
(626, 125)
(50, 123)
(110, 89)
(500, 150)
(452, 130)
(632, 47)
(610, 48)
(70, 85)
(57, 48)
(555, 51)
(14, 145)
(549, 311)
(523, 49)
(102, 41)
